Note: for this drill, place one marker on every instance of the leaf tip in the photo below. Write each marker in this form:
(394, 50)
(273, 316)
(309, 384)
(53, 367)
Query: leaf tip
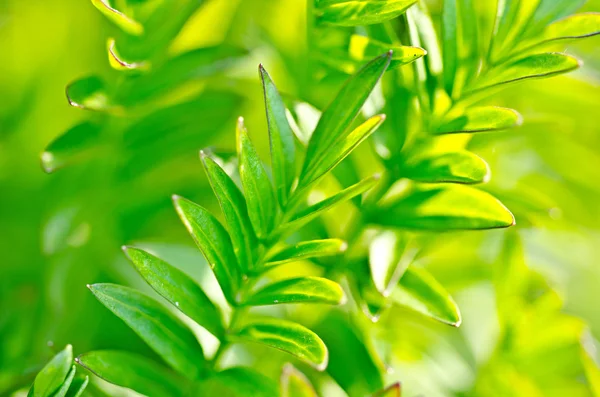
(343, 246)
(47, 159)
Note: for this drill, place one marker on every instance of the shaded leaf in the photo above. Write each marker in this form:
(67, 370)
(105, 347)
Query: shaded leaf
(64, 388)
(451, 207)
(78, 386)
(363, 48)
(238, 382)
(214, 242)
(118, 62)
(74, 145)
(49, 380)
(573, 27)
(288, 336)
(298, 290)
(89, 93)
(419, 291)
(481, 119)
(295, 384)
(360, 12)
(178, 288)
(450, 43)
(456, 167)
(126, 23)
(162, 331)
(307, 250)
(134, 372)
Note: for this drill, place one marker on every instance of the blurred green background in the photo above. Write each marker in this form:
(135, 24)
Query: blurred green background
(63, 230)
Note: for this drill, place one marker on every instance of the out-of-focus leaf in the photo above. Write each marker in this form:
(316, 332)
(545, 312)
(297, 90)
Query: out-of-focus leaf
(235, 210)
(573, 27)
(257, 187)
(118, 62)
(480, 119)
(299, 290)
(451, 207)
(214, 242)
(456, 167)
(419, 291)
(237, 382)
(178, 288)
(49, 380)
(288, 336)
(133, 371)
(363, 48)
(281, 138)
(75, 144)
(359, 12)
(338, 116)
(123, 21)
(450, 43)
(77, 387)
(162, 331)
(295, 384)
(394, 390)
(307, 250)
(89, 93)
(389, 257)
(339, 149)
(592, 373)
(534, 66)
(64, 388)
(548, 11)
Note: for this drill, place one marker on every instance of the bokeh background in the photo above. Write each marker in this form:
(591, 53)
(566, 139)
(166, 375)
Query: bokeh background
(62, 230)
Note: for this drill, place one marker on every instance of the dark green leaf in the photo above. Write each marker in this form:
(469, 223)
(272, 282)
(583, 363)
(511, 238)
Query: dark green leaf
(162, 331)
(257, 187)
(295, 384)
(287, 336)
(75, 144)
(233, 205)
(178, 288)
(457, 167)
(299, 290)
(238, 382)
(133, 371)
(480, 119)
(214, 242)
(451, 207)
(360, 12)
(49, 380)
(126, 23)
(281, 137)
(307, 250)
(419, 291)
(89, 93)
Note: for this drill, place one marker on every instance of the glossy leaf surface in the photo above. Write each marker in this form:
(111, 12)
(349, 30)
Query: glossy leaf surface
(49, 380)
(124, 22)
(457, 167)
(360, 12)
(307, 250)
(299, 290)
(480, 119)
(89, 93)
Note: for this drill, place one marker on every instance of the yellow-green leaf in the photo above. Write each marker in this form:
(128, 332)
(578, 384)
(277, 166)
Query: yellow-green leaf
(237, 382)
(89, 93)
(298, 290)
(480, 119)
(307, 250)
(360, 12)
(456, 167)
(50, 379)
(123, 21)
(77, 144)
(295, 384)
(363, 48)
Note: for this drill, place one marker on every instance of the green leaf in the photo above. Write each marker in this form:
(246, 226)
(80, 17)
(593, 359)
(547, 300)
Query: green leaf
(281, 138)
(339, 149)
(49, 380)
(238, 382)
(573, 27)
(74, 145)
(214, 242)
(389, 257)
(592, 373)
(360, 12)
(257, 187)
(363, 48)
(89, 93)
(448, 207)
(458, 167)
(307, 250)
(394, 390)
(450, 43)
(299, 290)
(118, 62)
(162, 331)
(419, 291)
(124, 22)
(295, 384)
(288, 336)
(178, 288)
(64, 388)
(338, 116)
(480, 119)
(133, 371)
(78, 386)
(235, 210)
(534, 66)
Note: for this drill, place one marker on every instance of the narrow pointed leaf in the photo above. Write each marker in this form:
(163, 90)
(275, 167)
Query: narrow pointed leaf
(178, 288)
(295, 384)
(573, 27)
(298, 290)
(214, 242)
(64, 388)
(339, 149)
(388, 259)
(534, 66)
(288, 336)
(363, 48)
(238, 382)
(419, 291)
(134, 372)
(78, 386)
(458, 167)
(451, 207)
(281, 138)
(307, 250)
(76, 144)
(89, 93)
(118, 62)
(49, 380)
(257, 187)
(360, 12)
(162, 331)
(338, 116)
(124, 22)
(450, 43)
(481, 119)
(235, 210)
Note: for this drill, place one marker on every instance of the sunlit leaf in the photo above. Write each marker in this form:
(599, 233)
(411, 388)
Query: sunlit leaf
(237, 382)
(49, 380)
(281, 138)
(178, 288)
(162, 331)
(298, 290)
(451, 207)
(363, 48)
(480, 119)
(573, 27)
(257, 187)
(118, 62)
(456, 167)
(419, 291)
(592, 373)
(295, 384)
(126, 23)
(214, 242)
(133, 371)
(450, 43)
(288, 336)
(74, 145)
(64, 388)
(307, 250)
(77, 387)
(389, 257)
(89, 93)
(394, 390)
(360, 12)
